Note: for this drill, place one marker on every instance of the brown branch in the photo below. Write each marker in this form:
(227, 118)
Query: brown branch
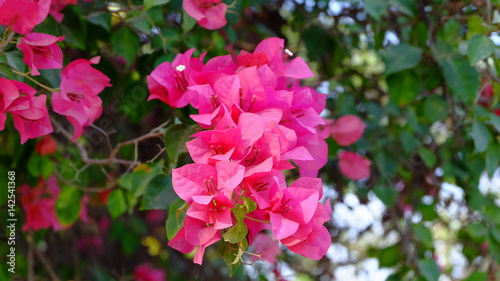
(43, 260)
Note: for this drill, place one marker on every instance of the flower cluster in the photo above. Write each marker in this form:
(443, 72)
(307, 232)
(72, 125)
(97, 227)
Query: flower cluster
(80, 83)
(257, 119)
(210, 14)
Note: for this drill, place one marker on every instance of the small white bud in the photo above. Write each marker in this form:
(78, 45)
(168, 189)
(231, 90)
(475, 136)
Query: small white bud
(288, 52)
(180, 67)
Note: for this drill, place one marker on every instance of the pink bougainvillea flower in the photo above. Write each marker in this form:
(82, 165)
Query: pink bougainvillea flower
(29, 112)
(39, 205)
(347, 130)
(145, 272)
(41, 51)
(266, 247)
(210, 14)
(78, 100)
(46, 145)
(23, 15)
(200, 182)
(354, 166)
(169, 82)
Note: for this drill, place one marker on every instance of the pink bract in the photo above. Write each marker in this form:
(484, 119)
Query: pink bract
(354, 166)
(41, 51)
(145, 272)
(347, 130)
(210, 14)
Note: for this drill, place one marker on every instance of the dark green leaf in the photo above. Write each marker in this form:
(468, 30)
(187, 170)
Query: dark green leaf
(116, 203)
(126, 43)
(175, 220)
(481, 136)
(478, 276)
(403, 86)
(102, 19)
(495, 121)
(492, 158)
(479, 48)
(429, 269)
(376, 8)
(159, 193)
(401, 57)
(68, 205)
(423, 234)
(387, 195)
(151, 3)
(477, 230)
(389, 256)
(428, 157)
(137, 181)
(476, 25)
(435, 108)
(176, 137)
(40, 166)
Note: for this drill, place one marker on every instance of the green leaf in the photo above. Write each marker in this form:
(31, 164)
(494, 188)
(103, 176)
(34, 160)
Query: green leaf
(476, 25)
(176, 137)
(423, 234)
(188, 22)
(478, 276)
(428, 157)
(435, 108)
(495, 121)
(116, 203)
(389, 256)
(175, 220)
(376, 8)
(15, 60)
(40, 166)
(429, 269)
(401, 57)
(159, 194)
(408, 7)
(125, 42)
(151, 3)
(492, 158)
(479, 48)
(403, 86)
(387, 195)
(68, 205)
(477, 230)
(102, 19)
(230, 253)
(137, 181)
(480, 135)
(461, 77)
(236, 233)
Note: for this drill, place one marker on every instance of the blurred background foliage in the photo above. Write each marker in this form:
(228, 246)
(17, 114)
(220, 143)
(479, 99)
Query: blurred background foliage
(422, 74)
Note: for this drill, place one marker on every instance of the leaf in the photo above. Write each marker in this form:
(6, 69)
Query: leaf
(15, 60)
(159, 194)
(116, 203)
(40, 166)
(175, 220)
(461, 77)
(401, 57)
(404, 87)
(230, 254)
(387, 195)
(151, 3)
(492, 158)
(495, 121)
(435, 108)
(478, 276)
(137, 181)
(125, 42)
(479, 48)
(188, 22)
(376, 8)
(477, 230)
(176, 137)
(480, 135)
(476, 25)
(102, 19)
(68, 205)
(423, 234)
(429, 269)
(236, 233)
(408, 7)
(428, 157)
(389, 256)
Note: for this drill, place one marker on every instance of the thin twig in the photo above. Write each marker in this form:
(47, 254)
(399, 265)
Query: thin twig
(106, 135)
(52, 90)
(43, 260)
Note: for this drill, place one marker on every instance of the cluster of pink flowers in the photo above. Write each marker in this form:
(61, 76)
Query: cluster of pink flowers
(39, 205)
(258, 118)
(80, 83)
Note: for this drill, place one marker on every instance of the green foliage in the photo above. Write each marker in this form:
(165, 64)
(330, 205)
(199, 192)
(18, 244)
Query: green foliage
(68, 205)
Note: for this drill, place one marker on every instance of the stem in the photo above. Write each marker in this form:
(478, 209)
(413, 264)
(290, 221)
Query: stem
(52, 90)
(257, 220)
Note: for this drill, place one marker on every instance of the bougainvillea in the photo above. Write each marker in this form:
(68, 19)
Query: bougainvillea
(257, 119)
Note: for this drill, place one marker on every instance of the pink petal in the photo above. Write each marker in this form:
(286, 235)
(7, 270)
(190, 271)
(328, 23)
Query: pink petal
(354, 166)
(347, 130)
